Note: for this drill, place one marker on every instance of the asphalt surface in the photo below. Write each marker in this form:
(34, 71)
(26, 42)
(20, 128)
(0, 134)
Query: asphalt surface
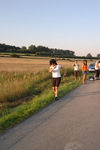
(72, 123)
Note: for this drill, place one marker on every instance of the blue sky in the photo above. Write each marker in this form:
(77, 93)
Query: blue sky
(66, 24)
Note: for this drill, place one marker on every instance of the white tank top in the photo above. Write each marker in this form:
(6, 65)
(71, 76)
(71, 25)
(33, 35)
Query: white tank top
(76, 67)
(56, 71)
(96, 68)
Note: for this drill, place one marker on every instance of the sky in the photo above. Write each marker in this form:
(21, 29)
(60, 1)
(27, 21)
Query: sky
(65, 24)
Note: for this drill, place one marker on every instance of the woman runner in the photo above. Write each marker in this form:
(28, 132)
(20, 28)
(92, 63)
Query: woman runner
(56, 76)
(84, 70)
(76, 70)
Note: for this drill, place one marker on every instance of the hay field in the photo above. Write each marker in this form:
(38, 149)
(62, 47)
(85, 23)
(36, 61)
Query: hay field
(31, 64)
(21, 79)
(22, 64)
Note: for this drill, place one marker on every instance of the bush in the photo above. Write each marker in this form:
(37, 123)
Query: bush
(14, 55)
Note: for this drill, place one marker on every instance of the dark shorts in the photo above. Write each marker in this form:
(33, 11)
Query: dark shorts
(56, 82)
(96, 73)
(76, 73)
(85, 72)
(99, 71)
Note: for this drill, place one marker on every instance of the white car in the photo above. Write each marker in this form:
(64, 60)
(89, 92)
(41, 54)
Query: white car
(91, 67)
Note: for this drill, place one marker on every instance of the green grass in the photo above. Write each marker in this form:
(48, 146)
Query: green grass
(21, 55)
(18, 114)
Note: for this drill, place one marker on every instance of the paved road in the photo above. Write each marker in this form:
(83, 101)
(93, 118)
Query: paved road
(73, 123)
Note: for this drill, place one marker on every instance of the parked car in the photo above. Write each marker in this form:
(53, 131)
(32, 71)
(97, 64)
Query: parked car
(91, 67)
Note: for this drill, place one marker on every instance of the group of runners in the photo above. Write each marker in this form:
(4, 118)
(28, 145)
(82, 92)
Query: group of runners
(56, 73)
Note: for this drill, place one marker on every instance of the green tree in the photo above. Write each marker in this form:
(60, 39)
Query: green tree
(98, 55)
(89, 55)
(32, 48)
(23, 48)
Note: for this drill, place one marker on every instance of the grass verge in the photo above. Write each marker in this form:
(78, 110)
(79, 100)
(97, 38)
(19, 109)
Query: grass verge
(36, 104)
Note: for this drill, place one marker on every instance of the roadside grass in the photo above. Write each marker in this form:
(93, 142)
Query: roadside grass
(18, 87)
(14, 116)
(14, 86)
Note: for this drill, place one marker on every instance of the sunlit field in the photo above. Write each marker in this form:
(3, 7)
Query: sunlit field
(23, 78)
(31, 65)
(24, 81)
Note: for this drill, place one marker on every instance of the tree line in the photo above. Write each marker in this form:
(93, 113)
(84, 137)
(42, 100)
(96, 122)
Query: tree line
(44, 51)
(37, 50)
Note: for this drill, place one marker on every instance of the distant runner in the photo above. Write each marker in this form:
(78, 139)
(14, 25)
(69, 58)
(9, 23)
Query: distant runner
(56, 76)
(76, 70)
(84, 70)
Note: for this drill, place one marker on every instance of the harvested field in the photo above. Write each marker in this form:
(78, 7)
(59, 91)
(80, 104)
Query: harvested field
(31, 64)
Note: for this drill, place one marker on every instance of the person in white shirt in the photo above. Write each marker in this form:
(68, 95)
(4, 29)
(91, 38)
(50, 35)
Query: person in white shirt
(56, 76)
(97, 69)
(76, 70)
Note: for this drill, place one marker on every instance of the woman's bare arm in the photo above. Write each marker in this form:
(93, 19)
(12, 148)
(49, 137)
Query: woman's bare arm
(51, 69)
(97, 65)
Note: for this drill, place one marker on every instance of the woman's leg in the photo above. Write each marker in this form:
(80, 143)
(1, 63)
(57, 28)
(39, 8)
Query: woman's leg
(58, 80)
(99, 73)
(75, 75)
(53, 84)
(84, 78)
(79, 75)
(75, 78)
(56, 91)
(95, 74)
(56, 83)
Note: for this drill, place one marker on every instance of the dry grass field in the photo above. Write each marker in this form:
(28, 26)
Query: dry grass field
(22, 77)
(31, 64)
(24, 84)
